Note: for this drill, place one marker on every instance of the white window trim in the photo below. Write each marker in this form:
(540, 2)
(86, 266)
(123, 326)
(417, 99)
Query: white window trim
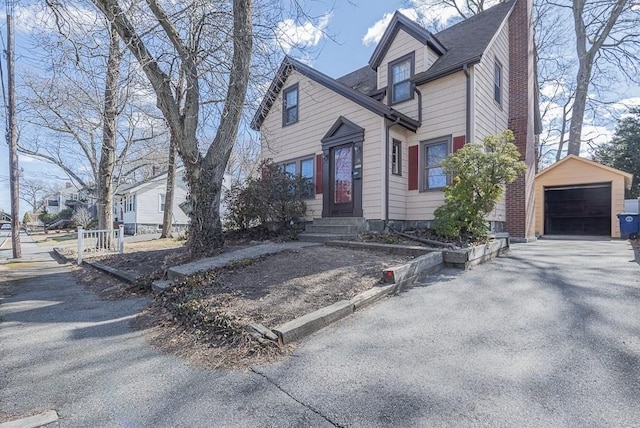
(160, 195)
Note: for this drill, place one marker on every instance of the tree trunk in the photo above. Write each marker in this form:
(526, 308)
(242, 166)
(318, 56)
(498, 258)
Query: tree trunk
(579, 105)
(205, 227)
(563, 130)
(204, 174)
(108, 155)
(168, 198)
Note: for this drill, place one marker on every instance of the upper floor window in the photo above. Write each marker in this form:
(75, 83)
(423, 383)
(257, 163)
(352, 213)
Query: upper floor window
(396, 158)
(434, 152)
(290, 105)
(400, 73)
(497, 83)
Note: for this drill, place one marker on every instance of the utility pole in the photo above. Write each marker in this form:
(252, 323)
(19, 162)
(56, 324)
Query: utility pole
(12, 136)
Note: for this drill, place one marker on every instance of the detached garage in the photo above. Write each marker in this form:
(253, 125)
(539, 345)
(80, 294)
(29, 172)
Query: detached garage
(577, 196)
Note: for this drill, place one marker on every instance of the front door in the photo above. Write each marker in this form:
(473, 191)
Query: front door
(341, 181)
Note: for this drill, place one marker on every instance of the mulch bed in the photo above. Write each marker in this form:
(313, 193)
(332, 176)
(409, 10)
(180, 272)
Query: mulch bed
(203, 319)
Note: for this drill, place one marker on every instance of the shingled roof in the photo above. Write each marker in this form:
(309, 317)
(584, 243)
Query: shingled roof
(362, 99)
(466, 42)
(363, 80)
(460, 44)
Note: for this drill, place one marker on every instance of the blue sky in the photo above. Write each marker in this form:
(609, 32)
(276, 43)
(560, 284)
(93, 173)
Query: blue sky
(350, 30)
(347, 22)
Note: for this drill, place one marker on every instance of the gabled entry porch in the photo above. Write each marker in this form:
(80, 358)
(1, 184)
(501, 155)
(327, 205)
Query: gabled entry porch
(342, 170)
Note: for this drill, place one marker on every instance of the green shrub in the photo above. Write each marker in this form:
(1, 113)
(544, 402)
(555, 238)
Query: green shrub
(480, 172)
(47, 218)
(272, 200)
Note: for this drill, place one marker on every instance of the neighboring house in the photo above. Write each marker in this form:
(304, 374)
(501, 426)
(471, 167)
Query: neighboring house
(372, 141)
(71, 197)
(140, 207)
(577, 196)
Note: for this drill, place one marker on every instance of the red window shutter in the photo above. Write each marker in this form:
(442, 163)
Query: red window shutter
(413, 167)
(458, 143)
(318, 174)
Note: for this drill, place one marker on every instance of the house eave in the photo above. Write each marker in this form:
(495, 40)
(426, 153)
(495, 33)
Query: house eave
(401, 22)
(359, 98)
(426, 77)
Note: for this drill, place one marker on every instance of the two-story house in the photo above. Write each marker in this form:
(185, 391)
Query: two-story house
(372, 141)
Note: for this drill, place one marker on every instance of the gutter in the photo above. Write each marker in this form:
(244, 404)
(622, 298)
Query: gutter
(465, 69)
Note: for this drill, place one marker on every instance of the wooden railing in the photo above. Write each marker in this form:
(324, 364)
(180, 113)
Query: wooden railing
(107, 241)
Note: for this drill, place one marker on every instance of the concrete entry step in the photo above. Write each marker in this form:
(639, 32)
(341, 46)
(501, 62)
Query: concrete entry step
(325, 237)
(342, 229)
(329, 221)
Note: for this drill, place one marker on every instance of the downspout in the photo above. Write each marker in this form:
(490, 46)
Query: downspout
(386, 145)
(386, 169)
(417, 91)
(465, 68)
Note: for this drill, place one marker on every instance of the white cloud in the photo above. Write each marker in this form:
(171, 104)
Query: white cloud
(36, 16)
(375, 32)
(308, 34)
(430, 13)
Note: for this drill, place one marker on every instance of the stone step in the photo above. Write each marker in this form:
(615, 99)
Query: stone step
(339, 229)
(352, 221)
(325, 237)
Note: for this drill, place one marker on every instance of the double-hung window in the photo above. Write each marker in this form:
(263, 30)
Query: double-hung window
(161, 202)
(434, 152)
(497, 83)
(396, 158)
(400, 73)
(302, 169)
(290, 105)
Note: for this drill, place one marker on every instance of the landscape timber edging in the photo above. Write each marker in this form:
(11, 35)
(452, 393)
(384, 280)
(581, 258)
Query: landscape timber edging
(396, 277)
(473, 256)
(58, 252)
(124, 276)
(305, 325)
(405, 275)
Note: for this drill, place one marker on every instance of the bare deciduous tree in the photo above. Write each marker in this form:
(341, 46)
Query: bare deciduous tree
(82, 217)
(186, 31)
(606, 35)
(93, 120)
(34, 192)
(575, 66)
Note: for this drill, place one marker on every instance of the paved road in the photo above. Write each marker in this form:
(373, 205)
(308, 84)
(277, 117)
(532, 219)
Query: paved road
(547, 336)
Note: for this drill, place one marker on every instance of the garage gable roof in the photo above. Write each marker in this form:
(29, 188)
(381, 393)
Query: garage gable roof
(627, 176)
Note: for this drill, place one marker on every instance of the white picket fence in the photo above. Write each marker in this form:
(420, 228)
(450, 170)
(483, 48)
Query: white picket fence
(107, 241)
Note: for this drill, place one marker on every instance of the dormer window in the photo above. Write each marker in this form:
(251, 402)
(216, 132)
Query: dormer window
(290, 105)
(400, 73)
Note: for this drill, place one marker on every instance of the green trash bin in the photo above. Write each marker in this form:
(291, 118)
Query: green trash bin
(629, 226)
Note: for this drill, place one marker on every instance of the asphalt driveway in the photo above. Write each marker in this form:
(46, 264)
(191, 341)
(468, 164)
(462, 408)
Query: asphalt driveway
(548, 335)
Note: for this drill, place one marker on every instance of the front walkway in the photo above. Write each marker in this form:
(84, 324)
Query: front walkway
(548, 335)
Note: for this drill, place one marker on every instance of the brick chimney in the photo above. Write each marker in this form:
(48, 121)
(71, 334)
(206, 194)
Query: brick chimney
(520, 222)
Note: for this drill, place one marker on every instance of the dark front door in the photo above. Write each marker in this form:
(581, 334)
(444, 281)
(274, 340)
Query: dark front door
(578, 210)
(341, 191)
